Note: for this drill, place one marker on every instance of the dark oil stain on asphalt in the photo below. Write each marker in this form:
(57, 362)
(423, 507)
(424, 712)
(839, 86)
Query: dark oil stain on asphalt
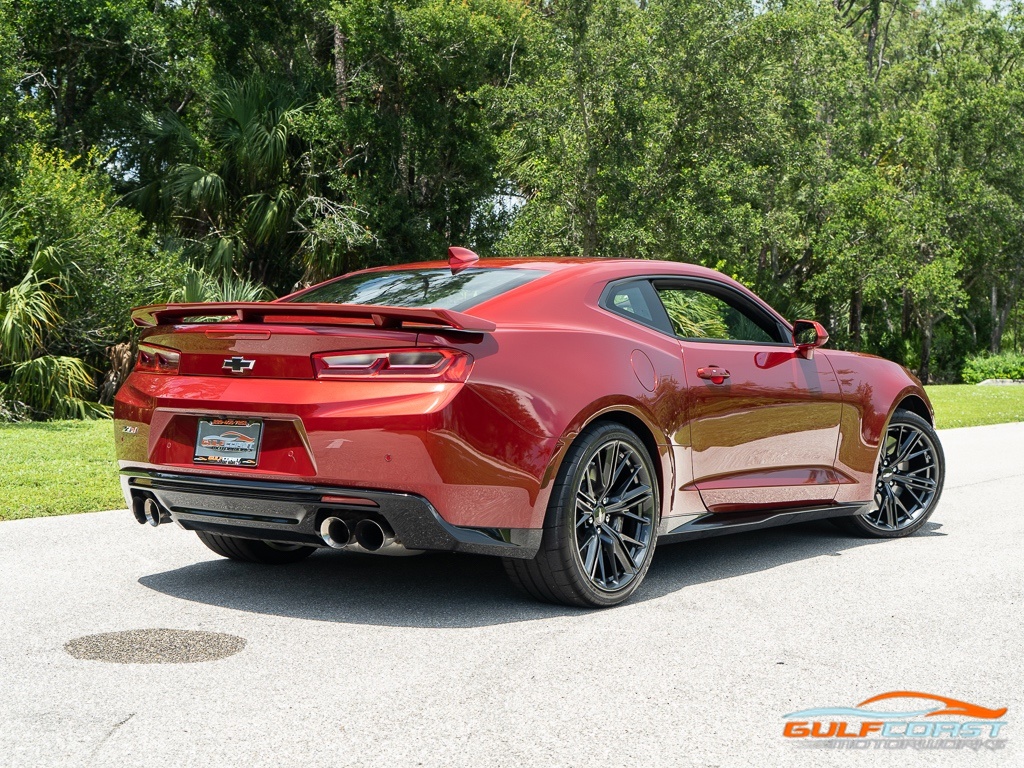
(155, 646)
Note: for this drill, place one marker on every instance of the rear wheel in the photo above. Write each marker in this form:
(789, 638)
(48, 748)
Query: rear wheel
(911, 470)
(601, 526)
(253, 551)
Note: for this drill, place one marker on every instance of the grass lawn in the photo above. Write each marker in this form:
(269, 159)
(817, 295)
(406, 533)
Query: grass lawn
(57, 468)
(969, 405)
(62, 467)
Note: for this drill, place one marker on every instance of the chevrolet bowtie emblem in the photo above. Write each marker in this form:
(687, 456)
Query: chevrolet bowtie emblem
(238, 364)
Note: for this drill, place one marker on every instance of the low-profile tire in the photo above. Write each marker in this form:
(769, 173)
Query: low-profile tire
(253, 551)
(601, 526)
(911, 471)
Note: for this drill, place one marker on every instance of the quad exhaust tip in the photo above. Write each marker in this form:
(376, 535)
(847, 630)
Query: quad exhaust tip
(335, 533)
(371, 536)
(379, 539)
(146, 509)
(366, 535)
(151, 510)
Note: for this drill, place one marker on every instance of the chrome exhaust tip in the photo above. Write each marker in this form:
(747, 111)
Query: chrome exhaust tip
(138, 509)
(371, 536)
(151, 511)
(335, 533)
(378, 539)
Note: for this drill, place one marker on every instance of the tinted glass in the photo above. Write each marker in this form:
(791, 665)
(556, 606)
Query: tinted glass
(695, 314)
(630, 299)
(437, 288)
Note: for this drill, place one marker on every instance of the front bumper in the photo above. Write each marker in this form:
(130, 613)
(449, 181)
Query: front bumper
(292, 512)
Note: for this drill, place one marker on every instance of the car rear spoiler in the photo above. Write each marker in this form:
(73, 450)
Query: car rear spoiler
(260, 311)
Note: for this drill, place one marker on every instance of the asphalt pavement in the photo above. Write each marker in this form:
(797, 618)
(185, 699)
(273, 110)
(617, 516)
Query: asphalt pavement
(349, 660)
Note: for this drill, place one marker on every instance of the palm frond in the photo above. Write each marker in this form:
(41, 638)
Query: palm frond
(695, 315)
(197, 188)
(27, 311)
(53, 262)
(59, 387)
(268, 215)
(222, 256)
(168, 136)
(8, 223)
(202, 286)
(234, 288)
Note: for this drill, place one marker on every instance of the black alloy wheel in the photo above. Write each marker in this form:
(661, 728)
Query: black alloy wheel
(910, 474)
(601, 528)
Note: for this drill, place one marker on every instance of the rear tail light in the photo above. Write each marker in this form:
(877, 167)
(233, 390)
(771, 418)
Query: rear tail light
(406, 364)
(154, 359)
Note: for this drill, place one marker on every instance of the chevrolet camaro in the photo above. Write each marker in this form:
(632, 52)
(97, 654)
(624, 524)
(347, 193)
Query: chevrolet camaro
(565, 415)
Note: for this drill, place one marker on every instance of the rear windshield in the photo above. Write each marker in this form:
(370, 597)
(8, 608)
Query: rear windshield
(437, 288)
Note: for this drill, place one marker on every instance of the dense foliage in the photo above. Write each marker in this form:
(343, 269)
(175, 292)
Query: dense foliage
(1009, 365)
(856, 161)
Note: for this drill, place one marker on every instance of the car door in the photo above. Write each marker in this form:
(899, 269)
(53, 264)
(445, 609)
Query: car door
(764, 418)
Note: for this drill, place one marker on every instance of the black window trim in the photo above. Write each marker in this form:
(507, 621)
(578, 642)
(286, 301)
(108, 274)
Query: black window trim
(662, 324)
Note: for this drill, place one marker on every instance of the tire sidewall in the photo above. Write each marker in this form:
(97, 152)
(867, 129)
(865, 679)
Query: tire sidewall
(907, 417)
(562, 513)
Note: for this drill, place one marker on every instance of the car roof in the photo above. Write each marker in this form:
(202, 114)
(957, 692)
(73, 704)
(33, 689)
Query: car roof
(561, 263)
(561, 269)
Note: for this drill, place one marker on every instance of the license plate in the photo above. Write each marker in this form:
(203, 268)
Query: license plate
(233, 442)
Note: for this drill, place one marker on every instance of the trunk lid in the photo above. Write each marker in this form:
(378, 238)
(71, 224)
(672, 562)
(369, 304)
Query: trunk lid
(278, 339)
(267, 351)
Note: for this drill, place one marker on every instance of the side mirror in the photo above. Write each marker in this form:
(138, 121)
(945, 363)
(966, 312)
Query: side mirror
(808, 335)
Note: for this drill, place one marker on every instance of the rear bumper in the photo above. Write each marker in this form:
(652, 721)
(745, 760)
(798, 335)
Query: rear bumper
(292, 512)
(443, 442)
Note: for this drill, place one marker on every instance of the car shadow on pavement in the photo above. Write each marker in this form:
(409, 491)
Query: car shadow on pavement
(446, 590)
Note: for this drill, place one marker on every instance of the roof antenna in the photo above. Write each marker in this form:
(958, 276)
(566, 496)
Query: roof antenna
(460, 258)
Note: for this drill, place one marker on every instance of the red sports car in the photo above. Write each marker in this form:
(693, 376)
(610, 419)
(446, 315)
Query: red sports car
(566, 415)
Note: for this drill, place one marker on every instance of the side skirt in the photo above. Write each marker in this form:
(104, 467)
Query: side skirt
(711, 524)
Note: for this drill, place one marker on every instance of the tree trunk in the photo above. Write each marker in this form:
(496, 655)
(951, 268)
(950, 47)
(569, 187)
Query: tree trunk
(996, 339)
(340, 69)
(856, 307)
(875, 16)
(923, 372)
(588, 194)
(1000, 315)
(823, 311)
(590, 210)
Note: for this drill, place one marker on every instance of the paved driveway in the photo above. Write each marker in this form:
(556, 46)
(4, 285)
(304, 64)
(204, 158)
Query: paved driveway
(435, 661)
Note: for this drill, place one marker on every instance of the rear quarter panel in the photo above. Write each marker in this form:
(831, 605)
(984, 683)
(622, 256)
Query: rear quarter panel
(573, 363)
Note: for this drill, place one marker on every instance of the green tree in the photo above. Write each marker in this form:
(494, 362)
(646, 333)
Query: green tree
(408, 133)
(72, 264)
(90, 68)
(232, 189)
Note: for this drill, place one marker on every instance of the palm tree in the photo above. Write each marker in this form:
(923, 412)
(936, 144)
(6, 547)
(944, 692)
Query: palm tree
(49, 385)
(233, 195)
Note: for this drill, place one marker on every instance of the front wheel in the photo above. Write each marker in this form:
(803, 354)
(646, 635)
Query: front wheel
(601, 526)
(911, 470)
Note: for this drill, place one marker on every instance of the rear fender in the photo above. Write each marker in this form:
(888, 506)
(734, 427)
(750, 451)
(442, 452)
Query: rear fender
(630, 415)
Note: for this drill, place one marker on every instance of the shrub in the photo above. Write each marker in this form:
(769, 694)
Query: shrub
(1006, 366)
(54, 387)
(67, 211)
(72, 264)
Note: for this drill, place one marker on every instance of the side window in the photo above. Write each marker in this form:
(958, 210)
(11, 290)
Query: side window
(630, 299)
(696, 314)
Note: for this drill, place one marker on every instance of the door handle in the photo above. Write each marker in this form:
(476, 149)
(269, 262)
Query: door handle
(714, 373)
